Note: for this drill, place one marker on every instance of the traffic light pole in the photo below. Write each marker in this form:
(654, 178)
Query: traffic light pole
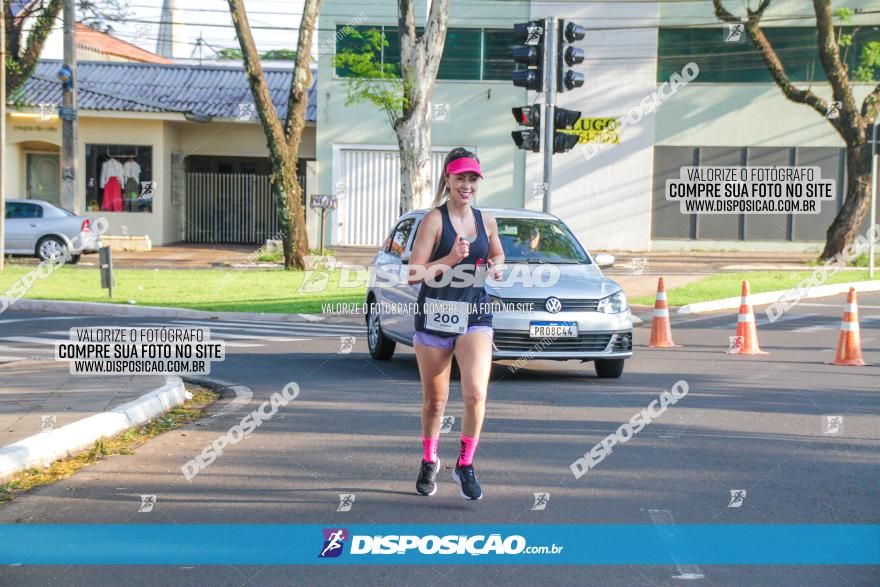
(549, 101)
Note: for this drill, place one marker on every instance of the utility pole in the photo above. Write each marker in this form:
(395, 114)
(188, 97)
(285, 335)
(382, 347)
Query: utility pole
(2, 133)
(873, 219)
(67, 75)
(549, 106)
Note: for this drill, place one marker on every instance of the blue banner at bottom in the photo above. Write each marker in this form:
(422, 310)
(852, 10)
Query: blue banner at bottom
(648, 544)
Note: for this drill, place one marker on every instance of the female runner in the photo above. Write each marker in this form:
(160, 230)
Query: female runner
(452, 318)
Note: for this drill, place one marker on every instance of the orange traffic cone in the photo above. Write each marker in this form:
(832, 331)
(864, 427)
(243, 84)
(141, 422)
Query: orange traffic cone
(849, 345)
(746, 330)
(661, 328)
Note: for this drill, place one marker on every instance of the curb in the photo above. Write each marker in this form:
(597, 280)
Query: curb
(820, 291)
(104, 309)
(47, 447)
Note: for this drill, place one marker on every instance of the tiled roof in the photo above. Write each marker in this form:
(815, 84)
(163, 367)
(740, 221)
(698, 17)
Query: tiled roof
(200, 90)
(99, 42)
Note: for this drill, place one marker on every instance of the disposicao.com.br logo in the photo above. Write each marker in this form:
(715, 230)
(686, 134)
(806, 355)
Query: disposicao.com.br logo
(334, 540)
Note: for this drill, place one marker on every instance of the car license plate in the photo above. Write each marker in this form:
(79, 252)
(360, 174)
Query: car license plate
(554, 329)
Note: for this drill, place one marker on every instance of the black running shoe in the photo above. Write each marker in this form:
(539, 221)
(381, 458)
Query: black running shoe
(466, 475)
(426, 484)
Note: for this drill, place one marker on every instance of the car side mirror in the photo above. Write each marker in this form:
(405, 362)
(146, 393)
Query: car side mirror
(404, 257)
(604, 260)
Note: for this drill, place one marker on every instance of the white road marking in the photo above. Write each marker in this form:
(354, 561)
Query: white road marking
(32, 339)
(224, 336)
(43, 318)
(834, 323)
(300, 329)
(666, 528)
(285, 325)
(762, 319)
(838, 306)
(676, 322)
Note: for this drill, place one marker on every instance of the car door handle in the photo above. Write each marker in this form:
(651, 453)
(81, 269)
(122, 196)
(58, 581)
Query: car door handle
(33, 225)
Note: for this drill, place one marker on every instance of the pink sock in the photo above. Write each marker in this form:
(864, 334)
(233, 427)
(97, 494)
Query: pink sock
(468, 448)
(430, 445)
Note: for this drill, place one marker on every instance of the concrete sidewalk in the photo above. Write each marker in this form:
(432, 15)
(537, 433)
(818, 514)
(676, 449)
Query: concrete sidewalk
(224, 256)
(39, 396)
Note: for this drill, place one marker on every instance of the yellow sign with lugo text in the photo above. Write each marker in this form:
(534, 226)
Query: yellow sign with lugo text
(596, 130)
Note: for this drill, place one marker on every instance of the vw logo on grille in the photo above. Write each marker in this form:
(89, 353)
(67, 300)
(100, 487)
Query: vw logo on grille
(553, 305)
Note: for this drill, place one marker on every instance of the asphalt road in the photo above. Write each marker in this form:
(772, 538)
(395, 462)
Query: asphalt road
(748, 423)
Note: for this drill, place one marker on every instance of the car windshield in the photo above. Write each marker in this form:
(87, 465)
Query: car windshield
(537, 240)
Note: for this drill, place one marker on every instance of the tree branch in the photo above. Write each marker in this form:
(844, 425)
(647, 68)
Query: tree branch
(772, 61)
(298, 99)
(869, 109)
(435, 36)
(27, 60)
(254, 71)
(829, 57)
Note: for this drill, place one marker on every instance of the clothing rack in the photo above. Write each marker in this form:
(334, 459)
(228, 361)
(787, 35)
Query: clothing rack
(122, 155)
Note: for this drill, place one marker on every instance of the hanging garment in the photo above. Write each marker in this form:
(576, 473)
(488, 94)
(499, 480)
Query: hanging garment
(112, 201)
(112, 168)
(131, 170)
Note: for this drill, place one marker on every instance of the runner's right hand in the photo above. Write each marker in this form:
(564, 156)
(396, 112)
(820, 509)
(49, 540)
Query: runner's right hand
(460, 249)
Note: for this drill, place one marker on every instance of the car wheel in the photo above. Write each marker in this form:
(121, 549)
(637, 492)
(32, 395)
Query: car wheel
(381, 347)
(51, 247)
(609, 368)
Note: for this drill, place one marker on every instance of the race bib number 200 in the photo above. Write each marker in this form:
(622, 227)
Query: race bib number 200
(446, 315)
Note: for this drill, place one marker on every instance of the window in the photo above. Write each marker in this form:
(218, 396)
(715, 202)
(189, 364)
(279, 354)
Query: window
(543, 240)
(397, 242)
(20, 210)
(461, 55)
(119, 178)
(469, 53)
(497, 55)
(740, 62)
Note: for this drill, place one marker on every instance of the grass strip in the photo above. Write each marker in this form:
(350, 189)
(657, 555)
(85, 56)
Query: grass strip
(123, 443)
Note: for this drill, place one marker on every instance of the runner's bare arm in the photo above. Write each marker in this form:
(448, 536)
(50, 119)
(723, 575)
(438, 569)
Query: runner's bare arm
(427, 234)
(496, 252)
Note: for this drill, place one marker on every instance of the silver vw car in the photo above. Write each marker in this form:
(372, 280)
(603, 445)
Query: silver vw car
(551, 302)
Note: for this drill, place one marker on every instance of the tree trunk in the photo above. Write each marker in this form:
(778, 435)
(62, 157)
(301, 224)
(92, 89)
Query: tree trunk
(414, 140)
(851, 124)
(419, 63)
(282, 140)
(846, 224)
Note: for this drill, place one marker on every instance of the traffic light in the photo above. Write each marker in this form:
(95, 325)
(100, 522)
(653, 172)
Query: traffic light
(529, 140)
(569, 56)
(531, 55)
(563, 120)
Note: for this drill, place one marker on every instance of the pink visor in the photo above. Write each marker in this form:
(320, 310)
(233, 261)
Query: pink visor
(464, 165)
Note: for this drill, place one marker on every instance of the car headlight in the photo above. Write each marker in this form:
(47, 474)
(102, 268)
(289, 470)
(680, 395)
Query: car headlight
(613, 304)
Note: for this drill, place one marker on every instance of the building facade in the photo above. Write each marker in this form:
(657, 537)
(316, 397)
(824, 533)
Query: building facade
(731, 113)
(167, 152)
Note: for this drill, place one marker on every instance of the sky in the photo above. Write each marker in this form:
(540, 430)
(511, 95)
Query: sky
(210, 20)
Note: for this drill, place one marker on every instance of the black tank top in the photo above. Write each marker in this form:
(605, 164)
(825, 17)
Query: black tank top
(475, 295)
